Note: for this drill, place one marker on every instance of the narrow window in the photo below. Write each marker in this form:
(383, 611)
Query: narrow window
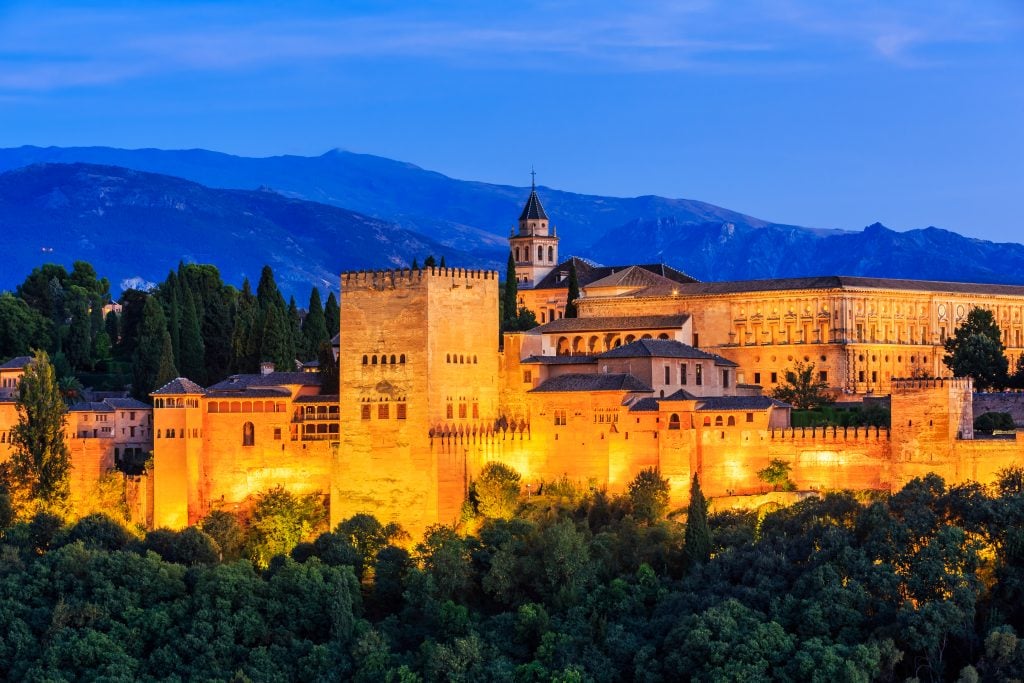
(382, 411)
(399, 412)
(698, 377)
(718, 420)
(731, 422)
(462, 411)
(450, 411)
(392, 359)
(366, 360)
(673, 421)
(365, 411)
(757, 378)
(277, 433)
(527, 376)
(248, 434)
(373, 361)
(540, 253)
(823, 376)
(668, 375)
(401, 359)
(551, 254)
(682, 374)
(476, 410)
(750, 417)
(725, 379)
(774, 377)
(860, 376)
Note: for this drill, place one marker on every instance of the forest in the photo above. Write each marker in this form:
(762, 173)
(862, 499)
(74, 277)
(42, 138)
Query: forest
(572, 585)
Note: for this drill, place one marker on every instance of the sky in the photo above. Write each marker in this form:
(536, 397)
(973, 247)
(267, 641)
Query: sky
(809, 112)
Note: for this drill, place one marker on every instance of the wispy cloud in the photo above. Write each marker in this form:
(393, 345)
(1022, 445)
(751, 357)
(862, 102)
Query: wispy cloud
(46, 50)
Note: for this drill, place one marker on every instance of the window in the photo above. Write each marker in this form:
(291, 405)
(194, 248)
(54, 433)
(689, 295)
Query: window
(696, 341)
(399, 412)
(517, 253)
(476, 410)
(365, 411)
(462, 411)
(559, 418)
(750, 417)
(401, 359)
(132, 430)
(392, 359)
(131, 415)
(527, 376)
(373, 361)
(731, 422)
(682, 374)
(673, 421)
(707, 421)
(450, 411)
(551, 254)
(874, 375)
(277, 433)
(698, 374)
(823, 376)
(718, 420)
(757, 378)
(860, 376)
(775, 378)
(365, 360)
(540, 253)
(725, 378)
(668, 375)
(248, 434)
(382, 411)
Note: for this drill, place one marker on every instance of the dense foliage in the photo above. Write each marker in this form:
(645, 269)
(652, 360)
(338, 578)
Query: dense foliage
(925, 584)
(976, 350)
(802, 388)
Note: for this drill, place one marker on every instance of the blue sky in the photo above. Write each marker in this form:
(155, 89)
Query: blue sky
(825, 114)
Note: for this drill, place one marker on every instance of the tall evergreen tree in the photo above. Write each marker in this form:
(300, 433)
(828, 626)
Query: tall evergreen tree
(217, 330)
(430, 262)
(112, 325)
(294, 322)
(78, 346)
(245, 337)
(328, 368)
(314, 327)
(442, 264)
(274, 340)
(510, 293)
(133, 302)
(332, 316)
(169, 297)
(574, 291)
(192, 361)
(697, 538)
(40, 462)
(153, 362)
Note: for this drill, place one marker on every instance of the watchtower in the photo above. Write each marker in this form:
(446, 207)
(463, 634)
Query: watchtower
(177, 453)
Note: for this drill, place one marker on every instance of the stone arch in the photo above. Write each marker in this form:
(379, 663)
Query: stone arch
(577, 345)
(593, 344)
(373, 360)
(401, 359)
(731, 422)
(707, 421)
(646, 336)
(662, 336)
(562, 347)
(366, 359)
(673, 421)
(630, 338)
(248, 434)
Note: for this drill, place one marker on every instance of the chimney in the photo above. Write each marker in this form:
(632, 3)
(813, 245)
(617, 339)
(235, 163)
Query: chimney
(266, 367)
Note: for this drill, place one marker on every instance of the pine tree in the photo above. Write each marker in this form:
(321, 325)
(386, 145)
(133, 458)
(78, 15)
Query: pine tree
(40, 462)
(574, 291)
(510, 295)
(314, 327)
(192, 361)
(697, 539)
(332, 316)
(442, 264)
(153, 363)
(217, 327)
(430, 262)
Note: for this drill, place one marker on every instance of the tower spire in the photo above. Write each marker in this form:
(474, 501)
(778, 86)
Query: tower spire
(533, 179)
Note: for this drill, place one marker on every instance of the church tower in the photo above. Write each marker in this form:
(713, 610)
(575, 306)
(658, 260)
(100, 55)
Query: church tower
(535, 246)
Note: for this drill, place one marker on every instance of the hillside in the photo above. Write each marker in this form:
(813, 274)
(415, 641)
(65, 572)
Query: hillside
(134, 224)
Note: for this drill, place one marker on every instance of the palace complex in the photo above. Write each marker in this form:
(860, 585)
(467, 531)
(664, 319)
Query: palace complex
(658, 370)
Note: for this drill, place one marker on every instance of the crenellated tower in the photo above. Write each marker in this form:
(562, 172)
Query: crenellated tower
(535, 246)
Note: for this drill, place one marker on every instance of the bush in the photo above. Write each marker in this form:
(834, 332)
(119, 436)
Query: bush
(990, 422)
(497, 491)
(648, 494)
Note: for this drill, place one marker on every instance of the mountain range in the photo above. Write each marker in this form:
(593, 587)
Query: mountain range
(136, 213)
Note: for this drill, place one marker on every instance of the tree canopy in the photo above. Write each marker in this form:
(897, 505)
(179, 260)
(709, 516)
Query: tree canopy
(976, 350)
(802, 389)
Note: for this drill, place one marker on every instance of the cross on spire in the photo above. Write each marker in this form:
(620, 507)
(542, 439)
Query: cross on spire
(533, 178)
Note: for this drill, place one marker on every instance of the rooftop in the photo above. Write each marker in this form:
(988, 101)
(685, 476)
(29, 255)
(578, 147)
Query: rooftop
(588, 272)
(271, 379)
(611, 323)
(727, 403)
(663, 348)
(179, 385)
(16, 362)
(593, 382)
(559, 360)
(257, 392)
(829, 282)
(533, 209)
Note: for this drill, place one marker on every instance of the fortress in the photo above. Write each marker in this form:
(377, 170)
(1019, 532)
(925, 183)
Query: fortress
(658, 370)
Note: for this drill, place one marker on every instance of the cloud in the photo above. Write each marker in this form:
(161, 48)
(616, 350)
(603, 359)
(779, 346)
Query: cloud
(45, 49)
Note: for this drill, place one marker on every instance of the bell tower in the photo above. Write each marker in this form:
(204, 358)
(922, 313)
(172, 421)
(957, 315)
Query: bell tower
(535, 246)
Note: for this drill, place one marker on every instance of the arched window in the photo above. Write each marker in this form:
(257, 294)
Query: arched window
(540, 253)
(718, 420)
(673, 421)
(373, 360)
(383, 359)
(401, 359)
(551, 254)
(462, 359)
(392, 359)
(662, 336)
(707, 421)
(365, 360)
(731, 422)
(517, 253)
(248, 434)
(447, 358)
(474, 359)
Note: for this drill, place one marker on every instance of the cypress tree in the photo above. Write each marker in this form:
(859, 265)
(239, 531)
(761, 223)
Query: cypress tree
(40, 462)
(192, 359)
(332, 316)
(430, 262)
(274, 344)
(314, 327)
(415, 264)
(78, 346)
(244, 337)
(328, 369)
(697, 539)
(574, 291)
(442, 264)
(172, 311)
(295, 329)
(153, 363)
(112, 325)
(510, 296)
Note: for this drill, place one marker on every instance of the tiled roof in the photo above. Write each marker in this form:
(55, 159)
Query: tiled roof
(646, 404)
(271, 379)
(610, 323)
(681, 395)
(663, 348)
(560, 360)
(126, 404)
(830, 282)
(321, 398)
(91, 407)
(727, 403)
(267, 392)
(593, 382)
(588, 272)
(533, 210)
(180, 385)
(16, 362)
(632, 276)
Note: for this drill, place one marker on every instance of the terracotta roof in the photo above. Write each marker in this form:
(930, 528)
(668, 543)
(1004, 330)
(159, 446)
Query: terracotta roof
(16, 362)
(593, 382)
(727, 403)
(830, 282)
(588, 272)
(180, 385)
(611, 323)
(271, 379)
(632, 276)
(680, 395)
(663, 348)
(533, 209)
(322, 398)
(560, 360)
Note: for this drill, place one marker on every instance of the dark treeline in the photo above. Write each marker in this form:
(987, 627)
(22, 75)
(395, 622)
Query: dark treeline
(191, 325)
(925, 584)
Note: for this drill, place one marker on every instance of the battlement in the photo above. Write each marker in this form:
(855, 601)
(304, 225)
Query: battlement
(916, 384)
(407, 277)
(830, 434)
